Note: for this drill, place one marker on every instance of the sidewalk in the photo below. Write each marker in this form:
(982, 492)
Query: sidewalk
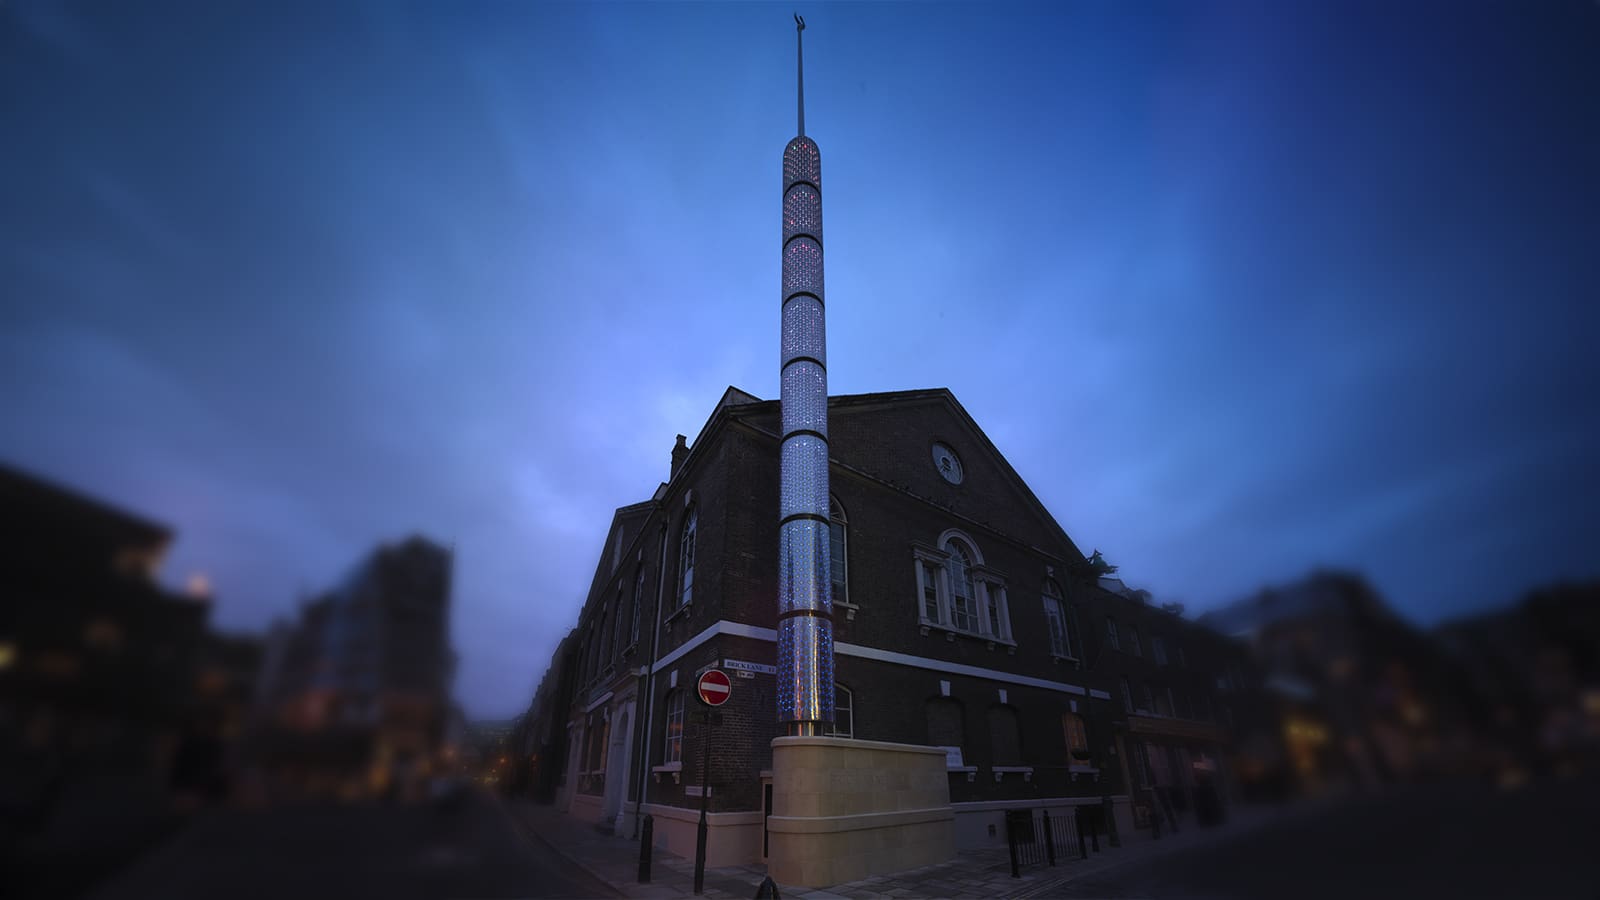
(971, 874)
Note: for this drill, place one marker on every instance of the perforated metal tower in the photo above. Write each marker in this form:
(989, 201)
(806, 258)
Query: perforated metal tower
(805, 601)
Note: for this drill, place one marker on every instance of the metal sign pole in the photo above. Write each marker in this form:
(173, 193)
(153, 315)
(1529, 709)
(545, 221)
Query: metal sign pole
(700, 837)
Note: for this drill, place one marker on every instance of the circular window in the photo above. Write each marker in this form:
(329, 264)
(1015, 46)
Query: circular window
(948, 464)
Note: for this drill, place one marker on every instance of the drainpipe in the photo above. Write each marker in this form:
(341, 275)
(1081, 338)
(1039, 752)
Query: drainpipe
(649, 677)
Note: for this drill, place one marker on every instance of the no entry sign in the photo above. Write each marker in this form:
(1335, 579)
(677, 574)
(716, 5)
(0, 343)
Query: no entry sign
(714, 687)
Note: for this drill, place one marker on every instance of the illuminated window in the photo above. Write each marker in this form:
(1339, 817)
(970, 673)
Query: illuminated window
(674, 748)
(686, 561)
(1077, 736)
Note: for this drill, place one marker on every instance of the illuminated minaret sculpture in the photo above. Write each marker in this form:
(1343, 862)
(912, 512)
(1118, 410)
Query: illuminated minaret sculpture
(805, 602)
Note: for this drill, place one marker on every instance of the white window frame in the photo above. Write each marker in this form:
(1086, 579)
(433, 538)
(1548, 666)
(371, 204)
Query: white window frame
(849, 707)
(686, 558)
(992, 589)
(924, 560)
(971, 612)
(1048, 595)
(672, 752)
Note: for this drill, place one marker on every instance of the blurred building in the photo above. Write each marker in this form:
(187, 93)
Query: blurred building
(115, 699)
(355, 696)
(1364, 698)
(541, 736)
(1534, 671)
(965, 619)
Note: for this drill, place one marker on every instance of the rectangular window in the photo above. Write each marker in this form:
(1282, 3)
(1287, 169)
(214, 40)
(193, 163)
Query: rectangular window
(638, 603)
(961, 613)
(1127, 695)
(1149, 699)
(836, 561)
(1158, 650)
(1111, 634)
(674, 751)
(1057, 625)
(1133, 641)
(993, 593)
(930, 592)
(844, 724)
(1164, 702)
(1182, 661)
(1077, 737)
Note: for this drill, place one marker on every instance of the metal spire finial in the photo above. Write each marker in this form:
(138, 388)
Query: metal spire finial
(800, 57)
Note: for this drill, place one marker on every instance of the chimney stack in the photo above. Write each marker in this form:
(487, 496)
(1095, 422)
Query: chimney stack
(680, 452)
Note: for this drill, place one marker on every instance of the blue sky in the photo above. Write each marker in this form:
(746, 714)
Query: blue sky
(1239, 289)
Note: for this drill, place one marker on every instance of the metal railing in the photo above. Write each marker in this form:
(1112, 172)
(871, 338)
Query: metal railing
(1039, 839)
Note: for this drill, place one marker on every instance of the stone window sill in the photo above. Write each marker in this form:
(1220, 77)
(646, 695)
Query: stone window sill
(675, 769)
(970, 771)
(678, 613)
(951, 633)
(850, 609)
(1002, 771)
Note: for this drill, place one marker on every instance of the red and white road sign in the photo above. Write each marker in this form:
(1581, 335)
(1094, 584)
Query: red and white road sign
(714, 687)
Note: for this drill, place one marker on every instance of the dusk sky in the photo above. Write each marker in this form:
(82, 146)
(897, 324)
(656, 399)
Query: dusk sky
(1240, 290)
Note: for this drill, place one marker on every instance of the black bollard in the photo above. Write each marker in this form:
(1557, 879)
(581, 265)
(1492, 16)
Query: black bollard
(1011, 842)
(768, 890)
(1049, 839)
(646, 844)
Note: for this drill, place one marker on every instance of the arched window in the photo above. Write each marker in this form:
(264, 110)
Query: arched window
(838, 551)
(956, 591)
(843, 712)
(638, 604)
(686, 561)
(1056, 621)
(963, 601)
(674, 747)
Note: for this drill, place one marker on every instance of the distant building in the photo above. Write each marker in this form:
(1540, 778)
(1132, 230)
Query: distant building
(115, 699)
(355, 697)
(1364, 697)
(97, 660)
(1534, 671)
(965, 618)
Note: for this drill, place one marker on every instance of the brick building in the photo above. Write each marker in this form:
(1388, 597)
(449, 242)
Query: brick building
(965, 618)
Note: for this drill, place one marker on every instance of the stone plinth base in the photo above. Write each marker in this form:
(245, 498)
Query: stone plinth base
(844, 810)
